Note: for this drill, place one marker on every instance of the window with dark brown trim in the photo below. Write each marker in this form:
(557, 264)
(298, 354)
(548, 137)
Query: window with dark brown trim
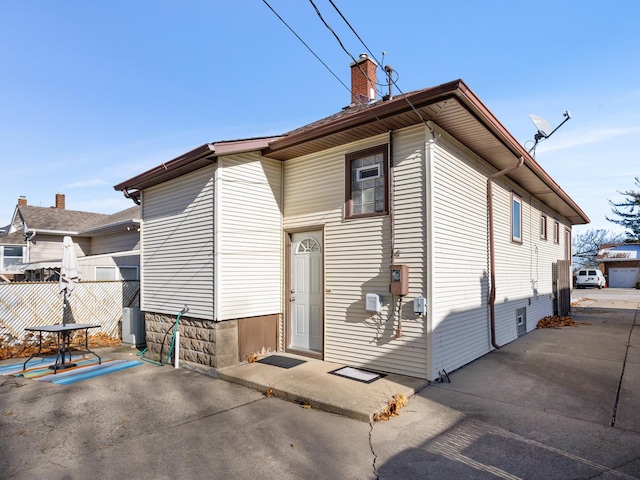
(556, 231)
(543, 226)
(366, 184)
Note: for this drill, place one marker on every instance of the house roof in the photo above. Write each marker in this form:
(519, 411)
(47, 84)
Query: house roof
(115, 222)
(57, 220)
(451, 106)
(72, 222)
(14, 238)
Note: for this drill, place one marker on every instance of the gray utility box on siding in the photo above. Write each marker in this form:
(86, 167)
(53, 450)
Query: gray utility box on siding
(133, 327)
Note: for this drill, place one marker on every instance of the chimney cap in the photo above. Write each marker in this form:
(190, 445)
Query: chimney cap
(363, 57)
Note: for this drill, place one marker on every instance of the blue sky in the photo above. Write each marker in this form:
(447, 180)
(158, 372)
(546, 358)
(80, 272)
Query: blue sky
(93, 93)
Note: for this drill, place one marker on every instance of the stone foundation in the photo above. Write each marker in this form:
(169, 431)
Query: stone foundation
(202, 342)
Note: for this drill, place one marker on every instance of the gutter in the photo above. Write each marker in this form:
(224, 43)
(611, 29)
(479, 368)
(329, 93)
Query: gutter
(492, 259)
(484, 115)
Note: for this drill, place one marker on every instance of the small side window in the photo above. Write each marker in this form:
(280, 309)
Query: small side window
(516, 218)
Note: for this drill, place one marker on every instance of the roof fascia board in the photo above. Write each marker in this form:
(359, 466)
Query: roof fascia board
(41, 231)
(210, 151)
(480, 111)
(378, 111)
(110, 226)
(242, 146)
(163, 168)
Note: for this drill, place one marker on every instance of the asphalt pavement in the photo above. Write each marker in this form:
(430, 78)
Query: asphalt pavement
(554, 404)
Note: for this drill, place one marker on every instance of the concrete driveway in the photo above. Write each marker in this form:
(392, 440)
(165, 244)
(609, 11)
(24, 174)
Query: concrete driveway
(540, 407)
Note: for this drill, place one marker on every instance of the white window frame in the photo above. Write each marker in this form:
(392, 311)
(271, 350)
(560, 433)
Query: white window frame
(3, 256)
(377, 167)
(516, 199)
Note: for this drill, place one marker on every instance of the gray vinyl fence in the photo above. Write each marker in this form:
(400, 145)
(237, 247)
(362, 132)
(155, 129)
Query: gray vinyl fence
(31, 304)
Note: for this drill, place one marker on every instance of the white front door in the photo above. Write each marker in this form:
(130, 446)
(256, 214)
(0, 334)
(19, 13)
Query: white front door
(306, 292)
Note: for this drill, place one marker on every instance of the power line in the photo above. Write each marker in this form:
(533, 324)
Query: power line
(368, 107)
(391, 80)
(326, 24)
(354, 31)
(305, 44)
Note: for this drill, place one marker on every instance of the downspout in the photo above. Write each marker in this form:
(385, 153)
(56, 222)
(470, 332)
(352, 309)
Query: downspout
(492, 260)
(136, 199)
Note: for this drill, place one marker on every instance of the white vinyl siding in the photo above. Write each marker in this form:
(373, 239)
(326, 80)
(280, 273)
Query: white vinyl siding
(117, 242)
(122, 260)
(461, 262)
(177, 245)
(358, 254)
(460, 326)
(49, 247)
(249, 236)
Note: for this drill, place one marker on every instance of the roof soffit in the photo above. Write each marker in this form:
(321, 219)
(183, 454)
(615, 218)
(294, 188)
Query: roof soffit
(454, 108)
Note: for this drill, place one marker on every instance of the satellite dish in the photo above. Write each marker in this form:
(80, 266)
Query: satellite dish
(544, 129)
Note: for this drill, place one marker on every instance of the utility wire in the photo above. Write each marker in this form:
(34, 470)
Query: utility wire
(354, 31)
(391, 80)
(305, 44)
(341, 44)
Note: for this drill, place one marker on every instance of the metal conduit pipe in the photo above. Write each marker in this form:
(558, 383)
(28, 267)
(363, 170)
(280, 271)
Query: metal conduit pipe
(492, 260)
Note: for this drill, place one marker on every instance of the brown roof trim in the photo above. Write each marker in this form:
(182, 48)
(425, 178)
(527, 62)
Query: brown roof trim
(157, 174)
(197, 158)
(489, 120)
(363, 115)
(229, 147)
(458, 90)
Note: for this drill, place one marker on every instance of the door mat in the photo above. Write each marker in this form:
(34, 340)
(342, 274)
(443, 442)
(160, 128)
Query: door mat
(357, 374)
(280, 361)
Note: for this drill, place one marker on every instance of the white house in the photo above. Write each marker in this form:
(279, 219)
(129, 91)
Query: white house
(275, 243)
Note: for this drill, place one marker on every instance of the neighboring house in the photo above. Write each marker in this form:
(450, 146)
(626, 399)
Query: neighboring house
(107, 246)
(620, 265)
(12, 251)
(274, 243)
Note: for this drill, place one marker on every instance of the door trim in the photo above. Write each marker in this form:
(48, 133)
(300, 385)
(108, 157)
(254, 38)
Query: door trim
(287, 289)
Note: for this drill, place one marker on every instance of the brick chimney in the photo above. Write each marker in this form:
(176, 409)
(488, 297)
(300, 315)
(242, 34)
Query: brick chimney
(363, 80)
(22, 201)
(60, 201)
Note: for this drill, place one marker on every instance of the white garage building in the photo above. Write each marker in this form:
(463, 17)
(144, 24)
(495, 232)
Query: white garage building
(621, 265)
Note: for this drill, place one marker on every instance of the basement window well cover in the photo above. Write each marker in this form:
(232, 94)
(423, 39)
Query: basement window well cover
(357, 374)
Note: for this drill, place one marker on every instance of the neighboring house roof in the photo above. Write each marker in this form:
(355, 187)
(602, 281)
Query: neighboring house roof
(15, 238)
(56, 220)
(452, 106)
(115, 222)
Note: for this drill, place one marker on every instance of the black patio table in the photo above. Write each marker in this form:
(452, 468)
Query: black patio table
(63, 333)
